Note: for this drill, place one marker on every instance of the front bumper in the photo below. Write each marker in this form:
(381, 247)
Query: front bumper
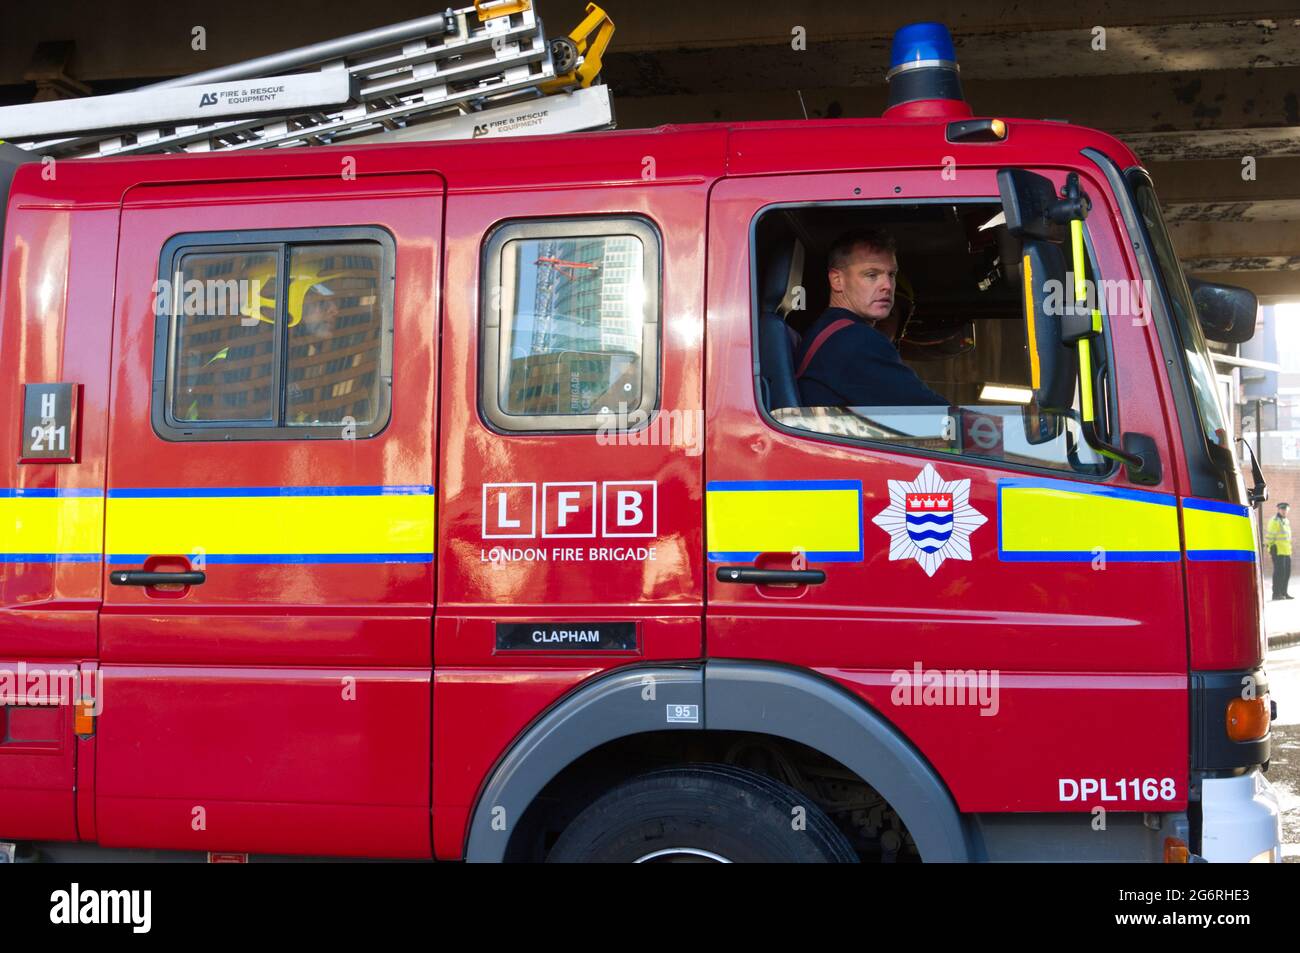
(1240, 820)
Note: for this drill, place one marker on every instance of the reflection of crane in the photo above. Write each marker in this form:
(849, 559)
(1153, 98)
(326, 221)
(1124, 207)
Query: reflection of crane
(549, 266)
(568, 267)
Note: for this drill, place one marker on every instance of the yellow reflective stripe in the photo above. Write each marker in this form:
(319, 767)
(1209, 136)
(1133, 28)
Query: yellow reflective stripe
(1076, 247)
(262, 525)
(1035, 372)
(821, 518)
(1210, 532)
(57, 525)
(1085, 379)
(1051, 520)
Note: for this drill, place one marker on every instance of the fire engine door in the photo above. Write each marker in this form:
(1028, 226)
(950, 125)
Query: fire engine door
(1009, 602)
(266, 628)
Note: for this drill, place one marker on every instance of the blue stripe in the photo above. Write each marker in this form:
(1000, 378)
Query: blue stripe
(785, 485)
(1221, 555)
(49, 557)
(48, 493)
(157, 492)
(816, 557)
(919, 535)
(1215, 506)
(237, 559)
(1081, 556)
(1117, 492)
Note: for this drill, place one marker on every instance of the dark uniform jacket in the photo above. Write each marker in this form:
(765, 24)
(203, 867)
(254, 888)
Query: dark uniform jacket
(857, 366)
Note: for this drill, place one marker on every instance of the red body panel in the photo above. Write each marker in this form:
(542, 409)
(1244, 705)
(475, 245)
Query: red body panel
(1223, 610)
(229, 700)
(272, 756)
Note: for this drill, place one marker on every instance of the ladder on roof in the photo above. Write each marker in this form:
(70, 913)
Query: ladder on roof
(483, 70)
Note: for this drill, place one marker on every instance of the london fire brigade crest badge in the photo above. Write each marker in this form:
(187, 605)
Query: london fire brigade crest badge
(929, 519)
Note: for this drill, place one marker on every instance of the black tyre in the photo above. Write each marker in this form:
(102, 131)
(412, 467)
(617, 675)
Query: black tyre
(702, 813)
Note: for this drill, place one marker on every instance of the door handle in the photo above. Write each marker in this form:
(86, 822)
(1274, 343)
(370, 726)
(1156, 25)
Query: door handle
(138, 577)
(771, 577)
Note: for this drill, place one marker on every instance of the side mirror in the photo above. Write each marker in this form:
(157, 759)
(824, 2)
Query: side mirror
(1053, 363)
(1041, 427)
(1031, 206)
(1227, 313)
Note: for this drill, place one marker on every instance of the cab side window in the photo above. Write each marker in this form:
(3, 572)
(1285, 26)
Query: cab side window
(946, 370)
(570, 323)
(282, 335)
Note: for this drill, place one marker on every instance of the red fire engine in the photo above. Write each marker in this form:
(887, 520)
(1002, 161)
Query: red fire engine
(430, 551)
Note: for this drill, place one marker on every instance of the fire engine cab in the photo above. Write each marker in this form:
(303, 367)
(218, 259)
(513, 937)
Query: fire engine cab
(462, 500)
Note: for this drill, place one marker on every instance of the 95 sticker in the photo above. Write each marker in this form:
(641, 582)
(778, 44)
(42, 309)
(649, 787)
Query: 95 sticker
(683, 714)
(1117, 789)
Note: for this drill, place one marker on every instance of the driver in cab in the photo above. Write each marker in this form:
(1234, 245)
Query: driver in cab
(845, 360)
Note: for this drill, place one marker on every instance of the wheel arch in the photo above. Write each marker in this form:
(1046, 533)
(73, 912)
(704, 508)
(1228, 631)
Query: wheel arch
(757, 697)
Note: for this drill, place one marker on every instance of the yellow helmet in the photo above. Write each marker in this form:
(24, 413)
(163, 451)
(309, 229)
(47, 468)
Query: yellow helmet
(303, 277)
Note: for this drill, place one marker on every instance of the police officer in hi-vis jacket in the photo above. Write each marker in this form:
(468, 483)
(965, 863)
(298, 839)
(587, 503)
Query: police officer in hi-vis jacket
(1278, 540)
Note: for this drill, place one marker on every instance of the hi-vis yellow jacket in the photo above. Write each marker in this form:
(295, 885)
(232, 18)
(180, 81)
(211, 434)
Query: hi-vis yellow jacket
(1278, 534)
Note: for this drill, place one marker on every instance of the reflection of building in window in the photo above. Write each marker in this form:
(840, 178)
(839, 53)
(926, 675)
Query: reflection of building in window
(572, 382)
(334, 348)
(995, 432)
(224, 365)
(576, 336)
(584, 297)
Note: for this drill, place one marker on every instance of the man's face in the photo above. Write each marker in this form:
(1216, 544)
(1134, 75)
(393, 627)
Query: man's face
(865, 285)
(318, 317)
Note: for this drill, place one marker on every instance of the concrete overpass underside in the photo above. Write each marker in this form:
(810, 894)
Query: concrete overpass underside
(1195, 87)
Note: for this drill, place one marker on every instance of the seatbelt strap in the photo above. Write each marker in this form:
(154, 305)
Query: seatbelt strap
(818, 341)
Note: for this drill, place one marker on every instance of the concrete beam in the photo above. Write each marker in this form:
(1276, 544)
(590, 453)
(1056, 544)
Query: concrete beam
(1243, 263)
(1177, 115)
(1280, 210)
(1237, 246)
(1220, 180)
(1215, 143)
(1005, 38)
(1269, 286)
(837, 58)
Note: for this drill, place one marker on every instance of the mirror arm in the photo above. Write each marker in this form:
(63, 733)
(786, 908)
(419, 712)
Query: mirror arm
(1258, 493)
(1074, 203)
(1094, 440)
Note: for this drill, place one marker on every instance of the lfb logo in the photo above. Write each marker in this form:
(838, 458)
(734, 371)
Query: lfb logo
(615, 508)
(929, 519)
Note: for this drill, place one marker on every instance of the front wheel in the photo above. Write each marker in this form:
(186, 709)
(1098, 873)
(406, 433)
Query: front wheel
(703, 813)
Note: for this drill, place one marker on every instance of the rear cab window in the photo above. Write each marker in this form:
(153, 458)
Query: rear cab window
(275, 334)
(570, 324)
